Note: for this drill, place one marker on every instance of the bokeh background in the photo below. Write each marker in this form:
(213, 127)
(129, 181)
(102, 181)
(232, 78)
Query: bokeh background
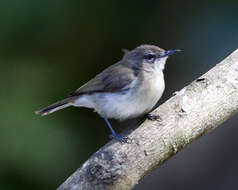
(50, 48)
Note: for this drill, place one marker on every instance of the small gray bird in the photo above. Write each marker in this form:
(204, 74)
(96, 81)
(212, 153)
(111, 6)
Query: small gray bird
(127, 89)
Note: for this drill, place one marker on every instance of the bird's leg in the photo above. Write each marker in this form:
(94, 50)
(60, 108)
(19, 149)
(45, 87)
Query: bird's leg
(153, 117)
(114, 135)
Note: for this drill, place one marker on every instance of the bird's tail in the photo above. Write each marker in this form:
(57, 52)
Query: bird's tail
(56, 106)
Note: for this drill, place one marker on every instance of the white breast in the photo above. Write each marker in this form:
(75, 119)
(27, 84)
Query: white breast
(129, 104)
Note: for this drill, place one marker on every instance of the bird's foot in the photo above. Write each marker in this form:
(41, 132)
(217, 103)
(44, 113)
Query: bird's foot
(120, 138)
(153, 117)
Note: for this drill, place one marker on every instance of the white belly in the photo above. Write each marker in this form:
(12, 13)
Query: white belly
(130, 104)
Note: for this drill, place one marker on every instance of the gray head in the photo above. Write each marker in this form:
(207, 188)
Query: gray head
(148, 56)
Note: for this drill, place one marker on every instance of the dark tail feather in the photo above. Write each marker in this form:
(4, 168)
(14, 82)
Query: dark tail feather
(56, 106)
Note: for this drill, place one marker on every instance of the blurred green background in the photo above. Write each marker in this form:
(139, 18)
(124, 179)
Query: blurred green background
(50, 48)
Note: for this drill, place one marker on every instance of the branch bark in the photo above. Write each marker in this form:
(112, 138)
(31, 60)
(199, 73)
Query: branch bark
(192, 112)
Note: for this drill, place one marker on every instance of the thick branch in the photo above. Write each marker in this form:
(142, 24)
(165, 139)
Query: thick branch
(191, 113)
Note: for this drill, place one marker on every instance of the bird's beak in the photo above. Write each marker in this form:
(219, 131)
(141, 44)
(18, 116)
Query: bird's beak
(170, 52)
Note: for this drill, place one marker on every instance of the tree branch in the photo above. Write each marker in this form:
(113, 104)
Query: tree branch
(191, 113)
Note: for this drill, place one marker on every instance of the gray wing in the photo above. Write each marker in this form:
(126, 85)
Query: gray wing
(113, 79)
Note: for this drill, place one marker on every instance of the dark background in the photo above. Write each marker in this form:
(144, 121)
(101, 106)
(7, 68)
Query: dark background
(50, 48)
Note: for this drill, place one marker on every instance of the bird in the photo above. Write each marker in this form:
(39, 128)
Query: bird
(127, 89)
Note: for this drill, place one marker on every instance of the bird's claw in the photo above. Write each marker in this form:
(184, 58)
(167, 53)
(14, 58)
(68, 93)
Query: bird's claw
(153, 117)
(120, 138)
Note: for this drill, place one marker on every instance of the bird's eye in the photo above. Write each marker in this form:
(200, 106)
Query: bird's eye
(150, 57)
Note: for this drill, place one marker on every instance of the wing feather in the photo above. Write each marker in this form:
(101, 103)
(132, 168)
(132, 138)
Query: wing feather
(113, 79)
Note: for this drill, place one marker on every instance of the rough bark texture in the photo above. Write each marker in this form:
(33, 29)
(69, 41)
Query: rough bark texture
(191, 113)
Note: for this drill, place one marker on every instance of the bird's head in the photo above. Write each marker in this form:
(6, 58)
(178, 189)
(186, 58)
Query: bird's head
(149, 56)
